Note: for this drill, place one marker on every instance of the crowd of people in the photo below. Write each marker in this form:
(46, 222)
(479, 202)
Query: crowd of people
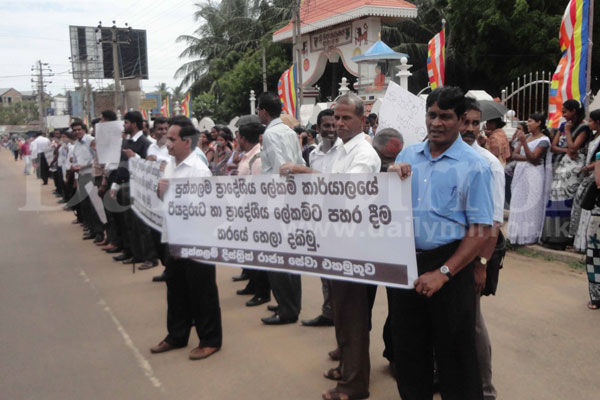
(461, 181)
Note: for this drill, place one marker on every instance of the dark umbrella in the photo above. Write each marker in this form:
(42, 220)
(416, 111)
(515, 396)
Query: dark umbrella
(491, 109)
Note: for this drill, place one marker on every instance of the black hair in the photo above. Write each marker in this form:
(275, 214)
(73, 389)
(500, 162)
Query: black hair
(312, 133)
(109, 115)
(328, 112)
(252, 131)
(471, 104)
(372, 117)
(226, 133)
(299, 129)
(448, 97)
(595, 115)
(136, 118)
(187, 131)
(575, 105)
(78, 122)
(160, 120)
(541, 118)
(497, 122)
(271, 103)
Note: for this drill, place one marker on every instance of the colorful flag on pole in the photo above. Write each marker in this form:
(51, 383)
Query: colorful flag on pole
(165, 110)
(570, 77)
(436, 59)
(186, 108)
(286, 89)
(144, 113)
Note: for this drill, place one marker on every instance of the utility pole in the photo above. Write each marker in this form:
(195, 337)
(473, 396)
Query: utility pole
(264, 69)
(41, 71)
(115, 53)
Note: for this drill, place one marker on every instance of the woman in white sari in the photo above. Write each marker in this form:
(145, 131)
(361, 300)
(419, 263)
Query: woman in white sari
(531, 183)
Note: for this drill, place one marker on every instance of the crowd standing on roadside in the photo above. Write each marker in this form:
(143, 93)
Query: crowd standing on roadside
(463, 176)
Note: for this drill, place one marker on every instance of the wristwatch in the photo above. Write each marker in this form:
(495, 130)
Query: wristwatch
(483, 260)
(446, 271)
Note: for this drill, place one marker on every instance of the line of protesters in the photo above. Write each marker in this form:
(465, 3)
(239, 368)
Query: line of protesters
(458, 196)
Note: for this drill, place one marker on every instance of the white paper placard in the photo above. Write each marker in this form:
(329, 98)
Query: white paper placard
(404, 112)
(109, 136)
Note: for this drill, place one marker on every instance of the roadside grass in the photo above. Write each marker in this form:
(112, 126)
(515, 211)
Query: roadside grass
(528, 252)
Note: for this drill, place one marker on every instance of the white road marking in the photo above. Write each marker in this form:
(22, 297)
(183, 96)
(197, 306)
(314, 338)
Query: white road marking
(143, 363)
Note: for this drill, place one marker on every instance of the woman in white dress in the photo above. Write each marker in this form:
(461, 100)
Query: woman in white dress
(531, 183)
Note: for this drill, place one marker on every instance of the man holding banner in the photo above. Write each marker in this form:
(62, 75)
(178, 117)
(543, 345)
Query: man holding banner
(192, 294)
(352, 302)
(453, 214)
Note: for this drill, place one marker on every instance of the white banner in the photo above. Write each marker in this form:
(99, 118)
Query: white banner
(109, 136)
(143, 182)
(405, 112)
(354, 227)
(92, 192)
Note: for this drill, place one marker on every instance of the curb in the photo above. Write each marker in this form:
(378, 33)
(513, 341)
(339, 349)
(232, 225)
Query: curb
(564, 256)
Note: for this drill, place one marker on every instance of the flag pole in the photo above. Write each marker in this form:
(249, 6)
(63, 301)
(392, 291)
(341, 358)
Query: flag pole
(588, 83)
(444, 49)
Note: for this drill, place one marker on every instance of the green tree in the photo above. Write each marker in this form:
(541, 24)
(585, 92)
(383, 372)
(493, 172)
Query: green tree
(19, 113)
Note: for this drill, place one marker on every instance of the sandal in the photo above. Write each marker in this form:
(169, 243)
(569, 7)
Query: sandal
(334, 374)
(336, 394)
(592, 306)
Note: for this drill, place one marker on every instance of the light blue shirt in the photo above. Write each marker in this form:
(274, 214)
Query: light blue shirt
(449, 192)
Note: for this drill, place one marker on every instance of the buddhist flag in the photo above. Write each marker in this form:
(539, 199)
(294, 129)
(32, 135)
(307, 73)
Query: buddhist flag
(287, 91)
(436, 59)
(164, 110)
(144, 113)
(186, 107)
(570, 78)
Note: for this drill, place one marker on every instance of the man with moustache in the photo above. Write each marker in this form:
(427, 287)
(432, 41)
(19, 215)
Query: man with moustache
(351, 301)
(192, 293)
(452, 216)
(489, 262)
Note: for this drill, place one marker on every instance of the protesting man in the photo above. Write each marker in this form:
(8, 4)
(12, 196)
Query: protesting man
(192, 294)
(280, 145)
(352, 302)
(486, 266)
(453, 212)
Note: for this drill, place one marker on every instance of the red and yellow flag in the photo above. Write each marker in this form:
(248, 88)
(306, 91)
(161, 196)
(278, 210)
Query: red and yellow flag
(286, 89)
(570, 78)
(165, 109)
(436, 59)
(186, 107)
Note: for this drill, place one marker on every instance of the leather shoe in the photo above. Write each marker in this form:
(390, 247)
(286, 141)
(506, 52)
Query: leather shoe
(160, 278)
(121, 257)
(275, 319)
(257, 301)
(148, 265)
(241, 277)
(99, 240)
(273, 307)
(89, 237)
(244, 291)
(114, 250)
(162, 347)
(131, 260)
(318, 321)
(200, 353)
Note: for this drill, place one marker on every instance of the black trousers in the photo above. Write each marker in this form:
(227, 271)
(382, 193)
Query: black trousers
(287, 289)
(258, 281)
(444, 324)
(192, 296)
(89, 214)
(44, 170)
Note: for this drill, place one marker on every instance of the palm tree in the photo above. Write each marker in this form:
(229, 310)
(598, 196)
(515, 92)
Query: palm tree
(162, 89)
(231, 25)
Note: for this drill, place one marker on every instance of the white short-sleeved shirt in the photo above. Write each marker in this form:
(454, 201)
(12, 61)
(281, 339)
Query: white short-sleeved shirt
(191, 167)
(279, 145)
(323, 161)
(498, 181)
(356, 156)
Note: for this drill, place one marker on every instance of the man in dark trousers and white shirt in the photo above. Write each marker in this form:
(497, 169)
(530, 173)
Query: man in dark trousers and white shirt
(279, 146)
(192, 294)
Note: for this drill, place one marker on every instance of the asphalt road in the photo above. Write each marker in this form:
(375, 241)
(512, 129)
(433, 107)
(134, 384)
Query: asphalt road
(76, 325)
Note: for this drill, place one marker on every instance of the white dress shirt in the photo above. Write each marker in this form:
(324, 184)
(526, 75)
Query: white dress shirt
(323, 161)
(82, 154)
(498, 181)
(191, 167)
(356, 156)
(39, 145)
(279, 145)
(161, 152)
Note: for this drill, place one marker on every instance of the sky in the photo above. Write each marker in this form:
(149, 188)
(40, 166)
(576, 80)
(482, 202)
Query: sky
(33, 30)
